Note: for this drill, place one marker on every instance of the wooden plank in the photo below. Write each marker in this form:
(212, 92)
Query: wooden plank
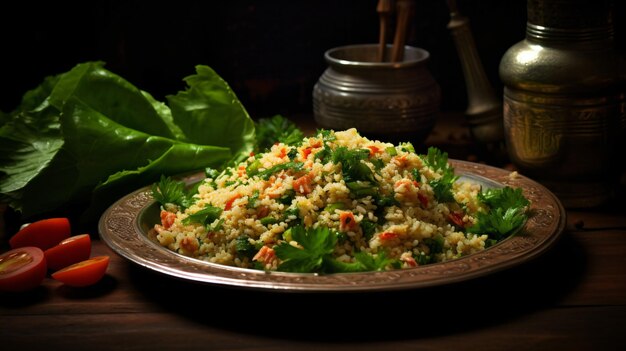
(300, 328)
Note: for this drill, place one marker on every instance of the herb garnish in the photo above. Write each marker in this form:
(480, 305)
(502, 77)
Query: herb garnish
(315, 254)
(507, 212)
(276, 129)
(442, 187)
(204, 216)
(170, 191)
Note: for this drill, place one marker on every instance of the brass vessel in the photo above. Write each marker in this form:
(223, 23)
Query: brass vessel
(390, 101)
(563, 103)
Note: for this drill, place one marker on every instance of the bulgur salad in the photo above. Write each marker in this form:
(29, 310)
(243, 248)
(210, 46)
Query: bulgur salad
(335, 202)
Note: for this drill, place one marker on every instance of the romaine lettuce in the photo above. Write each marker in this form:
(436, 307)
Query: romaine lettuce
(88, 136)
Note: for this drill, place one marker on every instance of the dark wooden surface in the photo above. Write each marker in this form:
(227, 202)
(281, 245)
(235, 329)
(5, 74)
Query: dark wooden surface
(571, 298)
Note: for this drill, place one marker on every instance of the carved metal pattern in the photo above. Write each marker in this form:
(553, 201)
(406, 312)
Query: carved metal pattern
(121, 229)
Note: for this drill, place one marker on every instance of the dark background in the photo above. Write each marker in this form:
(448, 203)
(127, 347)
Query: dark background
(270, 52)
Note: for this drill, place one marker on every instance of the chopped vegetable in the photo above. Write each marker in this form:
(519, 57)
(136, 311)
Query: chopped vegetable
(43, 234)
(22, 269)
(253, 199)
(442, 187)
(352, 167)
(84, 273)
(69, 251)
(244, 247)
(330, 208)
(205, 216)
(294, 166)
(302, 185)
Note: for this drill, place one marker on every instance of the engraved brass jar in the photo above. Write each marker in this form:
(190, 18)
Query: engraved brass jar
(563, 108)
(390, 101)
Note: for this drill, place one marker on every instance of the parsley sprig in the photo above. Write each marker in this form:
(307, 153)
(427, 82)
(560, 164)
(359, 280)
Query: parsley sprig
(442, 186)
(315, 254)
(170, 191)
(276, 129)
(507, 212)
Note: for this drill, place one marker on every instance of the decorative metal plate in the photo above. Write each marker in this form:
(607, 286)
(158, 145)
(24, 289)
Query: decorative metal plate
(124, 227)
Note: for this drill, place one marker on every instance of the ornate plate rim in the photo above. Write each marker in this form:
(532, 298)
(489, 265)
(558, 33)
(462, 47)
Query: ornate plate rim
(120, 229)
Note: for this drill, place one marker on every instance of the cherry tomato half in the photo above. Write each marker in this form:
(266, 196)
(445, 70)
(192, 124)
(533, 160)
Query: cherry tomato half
(43, 234)
(22, 269)
(83, 273)
(69, 251)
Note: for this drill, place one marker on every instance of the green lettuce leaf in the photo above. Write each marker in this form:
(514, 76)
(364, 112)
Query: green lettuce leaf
(209, 113)
(87, 137)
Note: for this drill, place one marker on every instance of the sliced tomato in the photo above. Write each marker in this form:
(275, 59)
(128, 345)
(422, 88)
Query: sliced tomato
(22, 269)
(43, 234)
(83, 273)
(69, 251)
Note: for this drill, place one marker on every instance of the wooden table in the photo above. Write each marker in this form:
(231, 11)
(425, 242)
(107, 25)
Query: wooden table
(571, 298)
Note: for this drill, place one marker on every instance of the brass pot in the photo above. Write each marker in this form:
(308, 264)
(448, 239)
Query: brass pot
(563, 101)
(390, 101)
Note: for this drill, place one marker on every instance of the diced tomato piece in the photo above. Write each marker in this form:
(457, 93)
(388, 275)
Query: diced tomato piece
(303, 184)
(262, 212)
(409, 260)
(387, 236)
(266, 255)
(241, 171)
(22, 269)
(43, 234)
(423, 199)
(83, 273)
(167, 219)
(347, 221)
(229, 203)
(457, 218)
(69, 251)
(373, 150)
(400, 161)
(282, 153)
(306, 152)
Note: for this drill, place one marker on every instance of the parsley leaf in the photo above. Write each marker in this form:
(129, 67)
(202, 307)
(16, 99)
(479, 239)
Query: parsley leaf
(276, 129)
(316, 254)
(295, 166)
(170, 191)
(435, 244)
(351, 166)
(364, 262)
(204, 216)
(317, 247)
(244, 247)
(252, 199)
(507, 212)
(373, 263)
(498, 223)
(506, 197)
(442, 187)
(436, 159)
